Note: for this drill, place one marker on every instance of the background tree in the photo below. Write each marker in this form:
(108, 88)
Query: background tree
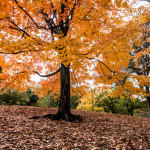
(13, 97)
(104, 101)
(88, 102)
(49, 100)
(52, 100)
(33, 98)
(74, 101)
(126, 106)
(140, 66)
(138, 70)
(0, 69)
(70, 35)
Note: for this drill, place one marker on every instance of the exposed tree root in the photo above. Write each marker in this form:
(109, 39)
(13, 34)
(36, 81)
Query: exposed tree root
(59, 116)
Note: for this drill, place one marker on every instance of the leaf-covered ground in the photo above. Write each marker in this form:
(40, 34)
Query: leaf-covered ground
(98, 131)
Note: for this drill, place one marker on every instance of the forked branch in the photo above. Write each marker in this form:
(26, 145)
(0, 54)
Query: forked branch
(17, 28)
(39, 27)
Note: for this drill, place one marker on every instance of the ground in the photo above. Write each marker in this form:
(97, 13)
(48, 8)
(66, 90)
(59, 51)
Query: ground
(97, 131)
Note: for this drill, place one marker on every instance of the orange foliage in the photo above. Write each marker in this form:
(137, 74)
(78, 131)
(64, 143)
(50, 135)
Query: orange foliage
(99, 39)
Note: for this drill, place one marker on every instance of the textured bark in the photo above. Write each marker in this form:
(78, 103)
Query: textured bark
(148, 100)
(148, 103)
(64, 105)
(0, 69)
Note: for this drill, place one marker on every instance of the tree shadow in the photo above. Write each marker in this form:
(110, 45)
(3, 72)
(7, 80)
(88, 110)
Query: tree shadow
(73, 118)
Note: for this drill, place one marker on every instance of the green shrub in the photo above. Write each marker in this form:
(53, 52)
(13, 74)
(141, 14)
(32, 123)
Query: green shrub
(14, 97)
(33, 98)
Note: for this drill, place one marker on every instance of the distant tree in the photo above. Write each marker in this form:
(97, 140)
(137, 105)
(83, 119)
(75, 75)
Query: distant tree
(0, 69)
(120, 105)
(139, 65)
(74, 101)
(87, 102)
(49, 100)
(33, 98)
(110, 104)
(131, 105)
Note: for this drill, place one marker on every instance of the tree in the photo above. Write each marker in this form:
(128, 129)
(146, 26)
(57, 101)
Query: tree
(49, 100)
(139, 66)
(74, 101)
(134, 79)
(70, 35)
(118, 105)
(88, 101)
(0, 69)
(32, 97)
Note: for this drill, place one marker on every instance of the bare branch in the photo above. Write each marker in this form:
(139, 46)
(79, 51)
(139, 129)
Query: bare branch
(144, 0)
(18, 28)
(101, 63)
(18, 52)
(24, 30)
(2, 89)
(39, 27)
(48, 75)
(107, 68)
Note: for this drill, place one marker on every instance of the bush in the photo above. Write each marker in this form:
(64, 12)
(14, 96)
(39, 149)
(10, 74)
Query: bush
(13, 97)
(98, 109)
(53, 101)
(88, 107)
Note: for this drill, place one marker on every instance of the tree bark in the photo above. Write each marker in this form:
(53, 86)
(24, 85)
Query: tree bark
(148, 100)
(64, 104)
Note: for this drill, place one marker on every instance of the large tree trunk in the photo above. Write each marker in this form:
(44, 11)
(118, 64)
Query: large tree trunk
(64, 104)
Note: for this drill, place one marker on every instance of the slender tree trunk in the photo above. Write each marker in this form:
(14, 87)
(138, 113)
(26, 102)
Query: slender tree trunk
(93, 92)
(64, 104)
(0, 69)
(92, 103)
(148, 100)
